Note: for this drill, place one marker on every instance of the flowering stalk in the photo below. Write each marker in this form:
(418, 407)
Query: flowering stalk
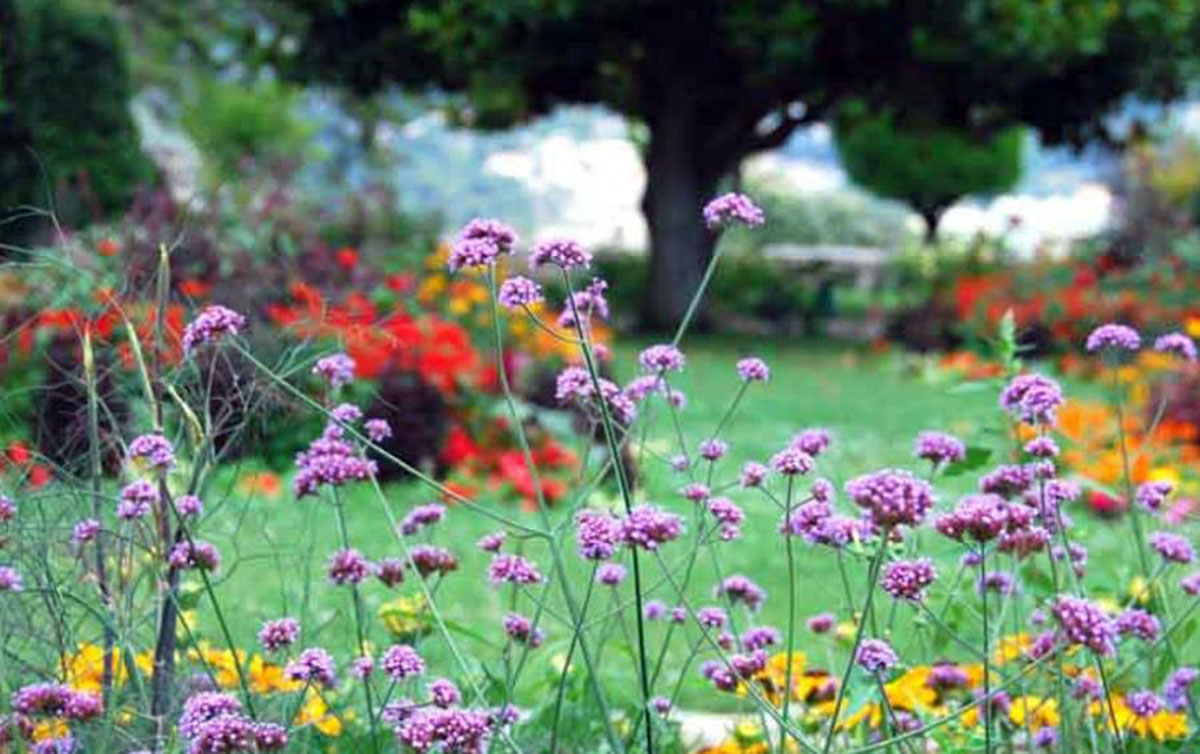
(97, 471)
(791, 617)
(987, 673)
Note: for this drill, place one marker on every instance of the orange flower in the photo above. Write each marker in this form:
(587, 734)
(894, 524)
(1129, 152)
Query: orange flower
(107, 247)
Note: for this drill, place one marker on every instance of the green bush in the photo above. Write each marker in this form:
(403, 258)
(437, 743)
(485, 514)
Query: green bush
(232, 122)
(65, 127)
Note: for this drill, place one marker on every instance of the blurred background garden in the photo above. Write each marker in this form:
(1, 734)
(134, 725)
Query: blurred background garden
(942, 182)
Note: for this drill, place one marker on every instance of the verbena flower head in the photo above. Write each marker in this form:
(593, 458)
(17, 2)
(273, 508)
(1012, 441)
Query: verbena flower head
(421, 517)
(1178, 344)
(1190, 584)
(1138, 623)
(378, 430)
(891, 497)
(753, 369)
(518, 292)
(1000, 582)
(195, 555)
(337, 370)
(270, 737)
(1173, 548)
(1034, 398)
(663, 357)
(575, 385)
(8, 509)
(822, 623)
(610, 574)
(760, 637)
(427, 560)
(154, 449)
(443, 693)
(213, 323)
(907, 579)
(814, 441)
(939, 448)
(876, 656)
(278, 634)
(330, 461)
(752, 475)
(1152, 495)
(85, 531)
(137, 498)
(791, 462)
(203, 706)
(713, 449)
(597, 534)
(806, 519)
(654, 610)
(1042, 447)
(1007, 481)
(837, 531)
(10, 579)
(313, 665)
(582, 305)
(729, 517)
(562, 252)
(696, 492)
(1177, 689)
(1084, 623)
(980, 518)
(947, 675)
(712, 617)
(471, 253)
(401, 662)
(1045, 737)
(1143, 703)
(738, 588)
(346, 413)
(390, 571)
(513, 569)
(648, 527)
(189, 505)
(1115, 337)
(521, 630)
(732, 208)
(451, 731)
(492, 542)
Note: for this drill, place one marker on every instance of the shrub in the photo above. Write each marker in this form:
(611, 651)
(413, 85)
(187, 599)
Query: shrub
(64, 113)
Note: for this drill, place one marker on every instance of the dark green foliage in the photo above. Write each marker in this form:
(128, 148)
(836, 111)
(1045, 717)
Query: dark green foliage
(64, 110)
(927, 167)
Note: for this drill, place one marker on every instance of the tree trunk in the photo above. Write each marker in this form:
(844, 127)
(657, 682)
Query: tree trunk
(676, 188)
(933, 218)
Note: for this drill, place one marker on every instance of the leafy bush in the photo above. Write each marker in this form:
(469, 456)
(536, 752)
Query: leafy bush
(64, 112)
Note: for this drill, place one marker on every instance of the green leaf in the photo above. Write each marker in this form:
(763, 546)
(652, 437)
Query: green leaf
(976, 457)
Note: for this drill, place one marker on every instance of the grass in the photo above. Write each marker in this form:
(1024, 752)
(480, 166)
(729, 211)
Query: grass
(872, 405)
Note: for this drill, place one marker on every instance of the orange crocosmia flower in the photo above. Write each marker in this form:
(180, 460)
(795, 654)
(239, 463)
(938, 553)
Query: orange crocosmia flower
(261, 483)
(107, 247)
(193, 288)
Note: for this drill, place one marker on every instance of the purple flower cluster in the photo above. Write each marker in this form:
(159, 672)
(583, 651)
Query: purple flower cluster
(492, 542)
(195, 554)
(753, 474)
(10, 579)
(1190, 584)
(390, 571)
(336, 370)
(513, 569)
(1114, 336)
(278, 634)
(713, 449)
(330, 460)
(56, 700)
(348, 566)
(1033, 397)
(814, 441)
(85, 531)
(8, 509)
(875, 656)
(313, 665)
(1178, 344)
(1007, 481)
(753, 369)
(401, 662)
(137, 498)
(1152, 495)
(189, 505)
(378, 430)
(792, 461)
(521, 630)
(1042, 447)
(1177, 689)
(891, 497)
(760, 637)
(729, 518)
(574, 384)
(443, 693)
(154, 449)
(907, 579)
(518, 292)
(561, 252)
(480, 243)
(649, 527)
(204, 706)
(211, 324)
(427, 560)
(663, 357)
(731, 208)
(1143, 703)
(939, 448)
(739, 588)
(421, 517)
(1174, 548)
(1138, 623)
(450, 731)
(610, 574)
(582, 305)
(1084, 623)
(980, 518)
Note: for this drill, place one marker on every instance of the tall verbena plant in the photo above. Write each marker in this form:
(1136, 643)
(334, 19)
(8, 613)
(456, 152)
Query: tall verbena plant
(101, 585)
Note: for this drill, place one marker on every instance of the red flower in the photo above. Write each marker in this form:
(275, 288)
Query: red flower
(193, 288)
(1104, 504)
(347, 257)
(107, 247)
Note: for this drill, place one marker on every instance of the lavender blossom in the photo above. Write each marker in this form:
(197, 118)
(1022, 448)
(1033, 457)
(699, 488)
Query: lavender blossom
(337, 370)
(213, 323)
(732, 208)
(1178, 344)
(564, 253)
(1114, 336)
(753, 369)
(518, 292)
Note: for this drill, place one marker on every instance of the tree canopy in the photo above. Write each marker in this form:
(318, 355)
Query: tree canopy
(715, 80)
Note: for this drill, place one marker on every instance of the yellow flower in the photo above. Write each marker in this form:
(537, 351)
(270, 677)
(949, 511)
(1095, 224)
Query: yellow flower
(406, 617)
(1011, 647)
(222, 662)
(316, 712)
(85, 667)
(1140, 590)
(267, 677)
(55, 727)
(1039, 712)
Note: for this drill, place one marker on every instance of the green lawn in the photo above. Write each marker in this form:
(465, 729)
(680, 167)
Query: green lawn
(872, 406)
